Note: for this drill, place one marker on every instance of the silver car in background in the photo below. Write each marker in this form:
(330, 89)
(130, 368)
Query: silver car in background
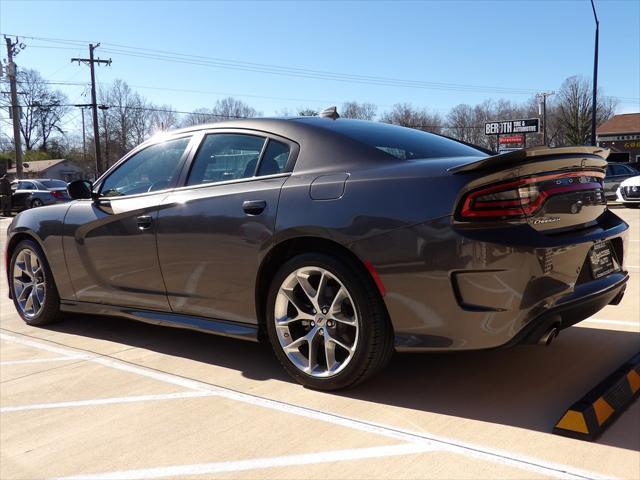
(629, 192)
(616, 173)
(36, 192)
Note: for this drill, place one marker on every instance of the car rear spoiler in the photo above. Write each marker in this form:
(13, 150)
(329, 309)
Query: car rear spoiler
(531, 155)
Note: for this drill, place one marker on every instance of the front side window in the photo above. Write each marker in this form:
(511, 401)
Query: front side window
(226, 156)
(152, 169)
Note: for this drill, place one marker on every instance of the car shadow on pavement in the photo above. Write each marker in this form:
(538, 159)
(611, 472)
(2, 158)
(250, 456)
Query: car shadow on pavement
(528, 387)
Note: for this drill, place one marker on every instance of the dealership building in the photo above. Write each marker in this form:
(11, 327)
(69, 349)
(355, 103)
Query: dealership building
(621, 134)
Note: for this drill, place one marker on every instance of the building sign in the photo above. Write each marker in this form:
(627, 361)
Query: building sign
(530, 125)
(615, 138)
(510, 139)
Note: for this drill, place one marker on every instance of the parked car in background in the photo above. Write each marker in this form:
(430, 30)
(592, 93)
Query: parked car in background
(36, 192)
(629, 192)
(616, 173)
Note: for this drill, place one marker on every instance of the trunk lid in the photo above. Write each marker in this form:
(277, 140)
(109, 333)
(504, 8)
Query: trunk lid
(550, 188)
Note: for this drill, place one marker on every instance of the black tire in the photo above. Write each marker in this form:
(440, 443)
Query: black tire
(374, 347)
(50, 306)
(36, 202)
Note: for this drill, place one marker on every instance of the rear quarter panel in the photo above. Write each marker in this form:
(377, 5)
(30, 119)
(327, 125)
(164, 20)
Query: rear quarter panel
(374, 201)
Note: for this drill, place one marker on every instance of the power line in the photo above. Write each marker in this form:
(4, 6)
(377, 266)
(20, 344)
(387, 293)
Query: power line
(175, 57)
(235, 117)
(215, 62)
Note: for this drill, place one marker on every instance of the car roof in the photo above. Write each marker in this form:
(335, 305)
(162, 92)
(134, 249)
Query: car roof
(326, 141)
(260, 123)
(37, 180)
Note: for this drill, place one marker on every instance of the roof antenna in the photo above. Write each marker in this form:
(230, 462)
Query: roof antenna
(331, 112)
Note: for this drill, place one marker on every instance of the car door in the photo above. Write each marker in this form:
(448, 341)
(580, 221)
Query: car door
(614, 175)
(109, 241)
(22, 195)
(213, 232)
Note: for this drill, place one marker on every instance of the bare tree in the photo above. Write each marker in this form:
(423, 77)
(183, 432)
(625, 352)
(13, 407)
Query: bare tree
(573, 110)
(163, 117)
(127, 119)
(407, 116)
(462, 122)
(141, 118)
(49, 116)
(197, 117)
(361, 111)
(224, 109)
(42, 110)
(228, 108)
(121, 100)
(307, 112)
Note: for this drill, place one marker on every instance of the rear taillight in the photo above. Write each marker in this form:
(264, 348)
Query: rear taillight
(58, 194)
(525, 196)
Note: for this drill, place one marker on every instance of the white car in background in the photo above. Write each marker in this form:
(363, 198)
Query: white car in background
(629, 192)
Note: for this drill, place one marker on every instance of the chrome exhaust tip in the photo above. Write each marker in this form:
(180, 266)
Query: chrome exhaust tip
(549, 337)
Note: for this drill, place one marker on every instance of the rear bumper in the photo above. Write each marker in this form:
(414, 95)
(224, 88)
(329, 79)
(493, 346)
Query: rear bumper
(581, 304)
(455, 289)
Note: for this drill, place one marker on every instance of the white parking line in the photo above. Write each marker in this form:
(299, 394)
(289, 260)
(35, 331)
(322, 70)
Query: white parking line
(43, 360)
(425, 439)
(605, 321)
(179, 471)
(65, 352)
(106, 401)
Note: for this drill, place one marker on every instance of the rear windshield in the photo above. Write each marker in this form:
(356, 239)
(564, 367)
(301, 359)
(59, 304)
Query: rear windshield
(54, 183)
(404, 143)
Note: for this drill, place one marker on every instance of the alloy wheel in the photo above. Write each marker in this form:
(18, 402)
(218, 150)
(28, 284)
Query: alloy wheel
(29, 287)
(316, 322)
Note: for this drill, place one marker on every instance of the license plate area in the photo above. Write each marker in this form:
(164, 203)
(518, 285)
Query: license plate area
(602, 260)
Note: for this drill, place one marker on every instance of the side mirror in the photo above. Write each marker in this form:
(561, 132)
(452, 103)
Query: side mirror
(80, 189)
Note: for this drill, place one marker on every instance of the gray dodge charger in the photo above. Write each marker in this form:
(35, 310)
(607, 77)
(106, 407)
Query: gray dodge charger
(338, 241)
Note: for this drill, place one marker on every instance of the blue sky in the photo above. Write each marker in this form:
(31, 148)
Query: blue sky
(523, 45)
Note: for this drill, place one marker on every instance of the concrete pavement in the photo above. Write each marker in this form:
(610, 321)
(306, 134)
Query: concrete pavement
(111, 398)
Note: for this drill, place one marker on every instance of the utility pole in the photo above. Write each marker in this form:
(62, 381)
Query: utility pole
(82, 107)
(84, 140)
(104, 109)
(94, 104)
(594, 102)
(543, 96)
(14, 49)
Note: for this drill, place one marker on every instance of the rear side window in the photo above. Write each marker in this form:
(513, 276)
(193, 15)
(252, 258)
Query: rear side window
(226, 156)
(403, 143)
(618, 170)
(274, 159)
(54, 184)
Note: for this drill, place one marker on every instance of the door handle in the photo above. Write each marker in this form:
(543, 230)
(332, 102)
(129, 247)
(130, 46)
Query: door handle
(144, 222)
(254, 207)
